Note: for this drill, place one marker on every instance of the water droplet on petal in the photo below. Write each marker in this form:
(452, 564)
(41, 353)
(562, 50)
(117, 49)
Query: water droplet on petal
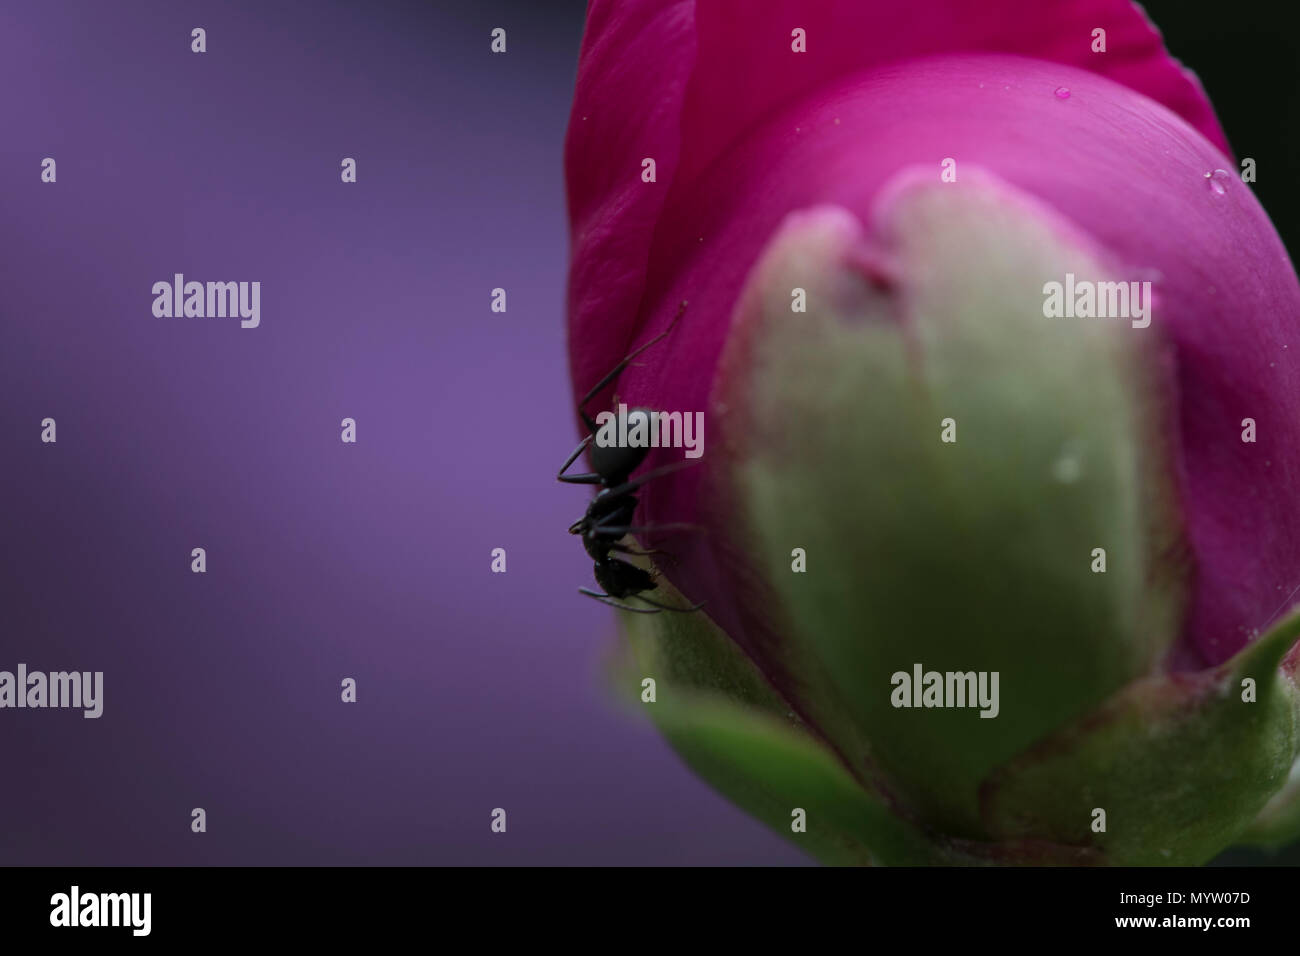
(1068, 467)
(1062, 93)
(1217, 181)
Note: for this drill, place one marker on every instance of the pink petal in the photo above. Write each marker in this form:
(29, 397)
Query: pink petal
(656, 74)
(635, 61)
(745, 70)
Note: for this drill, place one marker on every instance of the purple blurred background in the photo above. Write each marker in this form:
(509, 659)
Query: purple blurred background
(325, 560)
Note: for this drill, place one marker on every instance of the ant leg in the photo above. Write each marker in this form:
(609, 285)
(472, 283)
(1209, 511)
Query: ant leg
(613, 373)
(640, 554)
(629, 486)
(589, 479)
(668, 607)
(645, 529)
(606, 599)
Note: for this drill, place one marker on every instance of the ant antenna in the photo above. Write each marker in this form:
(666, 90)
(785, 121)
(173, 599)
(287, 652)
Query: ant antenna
(613, 373)
(606, 599)
(667, 607)
(655, 606)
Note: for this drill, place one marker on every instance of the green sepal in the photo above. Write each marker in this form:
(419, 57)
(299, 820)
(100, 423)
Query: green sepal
(729, 726)
(1180, 763)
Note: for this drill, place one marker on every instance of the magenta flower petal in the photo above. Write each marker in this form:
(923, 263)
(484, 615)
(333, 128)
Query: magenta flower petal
(633, 53)
(744, 70)
(655, 74)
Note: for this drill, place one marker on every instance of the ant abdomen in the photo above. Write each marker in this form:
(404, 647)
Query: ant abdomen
(622, 580)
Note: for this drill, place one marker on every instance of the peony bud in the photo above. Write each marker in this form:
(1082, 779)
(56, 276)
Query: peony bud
(989, 573)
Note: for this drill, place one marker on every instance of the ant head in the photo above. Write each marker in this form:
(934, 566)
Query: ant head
(615, 462)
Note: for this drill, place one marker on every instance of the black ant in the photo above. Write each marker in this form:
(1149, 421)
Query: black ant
(609, 516)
